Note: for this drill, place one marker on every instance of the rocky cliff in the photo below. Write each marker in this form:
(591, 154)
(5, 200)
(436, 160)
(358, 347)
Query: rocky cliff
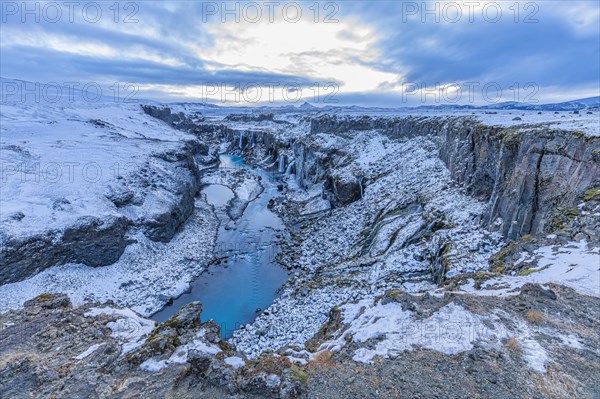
(524, 175)
(155, 197)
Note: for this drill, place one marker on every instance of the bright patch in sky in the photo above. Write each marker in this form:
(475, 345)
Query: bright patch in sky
(337, 52)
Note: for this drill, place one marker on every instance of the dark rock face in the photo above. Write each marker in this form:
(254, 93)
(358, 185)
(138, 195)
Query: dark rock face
(346, 189)
(536, 291)
(183, 183)
(249, 117)
(178, 120)
(525, 176)
(92, 241)
(49, 301)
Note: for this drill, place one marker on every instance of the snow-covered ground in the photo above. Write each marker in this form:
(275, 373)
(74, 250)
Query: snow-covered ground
(59, 160)
(144, 278)
(576, 265)
(63, 162)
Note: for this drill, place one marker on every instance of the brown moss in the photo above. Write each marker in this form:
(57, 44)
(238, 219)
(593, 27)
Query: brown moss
(321, 359)
(43, 297)
(333, 323)
(534, 316)
(271, 364)
(512, 344)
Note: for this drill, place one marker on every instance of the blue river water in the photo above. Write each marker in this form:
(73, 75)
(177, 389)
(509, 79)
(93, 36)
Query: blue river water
(247, 278)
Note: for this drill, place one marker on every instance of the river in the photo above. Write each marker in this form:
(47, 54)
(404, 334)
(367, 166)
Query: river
(247, 278)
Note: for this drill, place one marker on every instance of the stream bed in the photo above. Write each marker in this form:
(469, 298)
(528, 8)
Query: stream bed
(246, 280)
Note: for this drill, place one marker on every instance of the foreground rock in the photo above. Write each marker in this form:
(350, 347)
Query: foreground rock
(113, 352)
(109, 352)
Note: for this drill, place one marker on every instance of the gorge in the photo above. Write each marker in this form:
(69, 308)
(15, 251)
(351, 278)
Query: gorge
(276, 248)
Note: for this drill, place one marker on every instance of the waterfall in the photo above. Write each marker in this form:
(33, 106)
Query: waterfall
(241, 139)
(252, 140)
(288, 170)
(281, 167)
(360, 184)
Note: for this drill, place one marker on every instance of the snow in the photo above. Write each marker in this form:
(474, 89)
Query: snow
(88, 351)
(153, 365)
(234, 361)
(574, 265)
(584, 122)
(181, 353)
(60, 161)
(570, 341)
(449, 331)
(130, 327)
(146, 275)
(534, 354)
(58, 164)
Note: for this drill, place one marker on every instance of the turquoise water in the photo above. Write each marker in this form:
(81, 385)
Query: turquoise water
(247, 278)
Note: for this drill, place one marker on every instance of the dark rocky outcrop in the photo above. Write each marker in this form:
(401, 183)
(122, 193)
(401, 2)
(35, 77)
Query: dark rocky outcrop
(93, 241)
(249, 117)
(178, 120)
(525, 176)
(183, 183)
(91, 362)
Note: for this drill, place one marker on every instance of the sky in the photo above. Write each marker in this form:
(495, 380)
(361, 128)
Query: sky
(377, 53)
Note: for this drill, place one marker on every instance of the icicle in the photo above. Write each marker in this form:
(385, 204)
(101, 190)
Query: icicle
(281, 167)
(252, 140)
(360, 184)
(241, 139)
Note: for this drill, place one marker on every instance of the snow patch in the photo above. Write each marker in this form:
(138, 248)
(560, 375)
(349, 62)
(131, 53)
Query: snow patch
(129, 327)
(234, 361)
(88, 351)
(574, 265)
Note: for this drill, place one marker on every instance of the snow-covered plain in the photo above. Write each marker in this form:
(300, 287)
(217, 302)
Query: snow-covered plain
(59, 160)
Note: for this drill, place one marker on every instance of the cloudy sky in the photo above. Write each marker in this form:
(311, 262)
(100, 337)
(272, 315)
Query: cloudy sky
(375, 53)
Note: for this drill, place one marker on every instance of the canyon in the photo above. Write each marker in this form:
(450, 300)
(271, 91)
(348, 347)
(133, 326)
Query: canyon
(406, 243)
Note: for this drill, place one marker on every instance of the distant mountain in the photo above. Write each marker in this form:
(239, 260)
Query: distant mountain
(307, 106)
(584, 103)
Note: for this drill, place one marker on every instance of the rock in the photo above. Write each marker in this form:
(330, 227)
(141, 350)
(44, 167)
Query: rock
(346, 189)
(186, 317)
(525, 176)
(93, 241)
(536, 291)
(249, 117)
(49, 301)
(200, 361)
